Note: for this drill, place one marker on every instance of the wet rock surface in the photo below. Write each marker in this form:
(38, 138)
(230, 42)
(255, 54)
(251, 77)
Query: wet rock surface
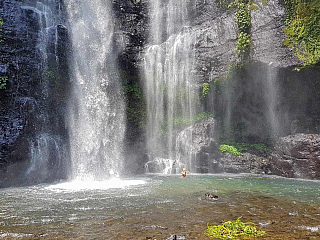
(297, 156)
(267, 35)
(33, 51)
(215, 32)
(247, 163)
(20, 32)
(198, 143)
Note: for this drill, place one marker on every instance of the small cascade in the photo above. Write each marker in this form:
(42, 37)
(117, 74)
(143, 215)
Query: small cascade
(47, 24)
(163, 166)
(272, 98)
(46, 143)
(47, 153)
(185, 153)
(96, 107)
(169, 80)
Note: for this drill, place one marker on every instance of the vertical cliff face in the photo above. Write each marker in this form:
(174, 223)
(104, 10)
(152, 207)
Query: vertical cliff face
(34, 60)
(259, 101)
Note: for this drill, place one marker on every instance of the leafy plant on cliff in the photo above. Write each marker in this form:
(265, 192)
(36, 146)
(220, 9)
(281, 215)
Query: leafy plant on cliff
(243, 16)
(243, 44)
(247, 146)
(205, 90)
(133, 89)
(179, 122)
(243, 20)
(230, 149)
(303, 30)
(233, 230)
(3, 82)
(135, 103)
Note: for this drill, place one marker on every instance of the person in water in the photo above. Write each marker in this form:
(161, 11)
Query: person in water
(184, 173)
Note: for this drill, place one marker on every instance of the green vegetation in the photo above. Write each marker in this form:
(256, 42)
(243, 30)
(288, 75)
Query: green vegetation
(227, 78)
(243, 16)
(179, 122)
(243, 44)
(230, 149)
(182, 122)
(243, 20)
(247, 146)
(205, 90)
(303, 30)
(233, 230)
(133, 89)
(3, 82)
(135, 103)
(48, 74)
(203, 115)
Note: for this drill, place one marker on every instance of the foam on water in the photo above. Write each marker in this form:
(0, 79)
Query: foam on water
(77, 185)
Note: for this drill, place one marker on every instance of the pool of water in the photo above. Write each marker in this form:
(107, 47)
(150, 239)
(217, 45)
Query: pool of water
(160, 207)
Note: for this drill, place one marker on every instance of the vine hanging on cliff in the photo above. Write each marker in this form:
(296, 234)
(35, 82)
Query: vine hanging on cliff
(303, 30)
(243, 20)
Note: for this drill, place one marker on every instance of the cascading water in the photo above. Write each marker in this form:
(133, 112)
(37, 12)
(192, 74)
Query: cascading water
(96, 108)
(169, 82)
(47, 153)
(272, 98)
(47, 147)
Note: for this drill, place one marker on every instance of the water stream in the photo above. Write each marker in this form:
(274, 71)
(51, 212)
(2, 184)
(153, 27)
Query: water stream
(47, 147)
(169, 81)
(96, 108)
(160, 206)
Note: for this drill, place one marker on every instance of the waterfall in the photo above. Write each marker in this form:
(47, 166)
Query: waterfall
(272, 98)
(47, 147)
(169, 82)
(96, 107)
(47, 153)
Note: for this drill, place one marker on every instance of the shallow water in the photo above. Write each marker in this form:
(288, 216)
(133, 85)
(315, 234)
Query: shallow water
(160, 207)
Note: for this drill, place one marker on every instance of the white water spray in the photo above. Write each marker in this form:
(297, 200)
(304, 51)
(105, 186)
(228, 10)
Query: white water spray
(96, 109)
(272, 99)
(169, 65)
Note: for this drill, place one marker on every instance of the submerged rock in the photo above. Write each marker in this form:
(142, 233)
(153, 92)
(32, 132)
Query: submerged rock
(210, 195)
(297, 156)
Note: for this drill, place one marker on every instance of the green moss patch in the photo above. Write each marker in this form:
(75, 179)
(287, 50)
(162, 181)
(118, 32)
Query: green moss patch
(233, 230)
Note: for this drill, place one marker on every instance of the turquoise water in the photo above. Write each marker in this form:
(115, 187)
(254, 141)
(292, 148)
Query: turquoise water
(160, 206)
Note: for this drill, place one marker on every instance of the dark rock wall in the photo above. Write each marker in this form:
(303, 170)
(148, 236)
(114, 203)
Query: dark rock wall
(32, 105)
(132, 33)
(242, 102)
(297, 156)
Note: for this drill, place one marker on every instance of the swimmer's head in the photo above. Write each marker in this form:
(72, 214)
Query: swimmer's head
(184, 169)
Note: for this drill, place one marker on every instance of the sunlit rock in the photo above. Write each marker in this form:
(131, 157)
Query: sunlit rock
(297, 156)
